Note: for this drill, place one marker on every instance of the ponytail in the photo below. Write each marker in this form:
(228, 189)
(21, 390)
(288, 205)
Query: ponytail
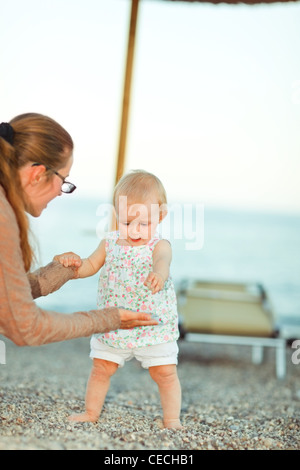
(10, 181)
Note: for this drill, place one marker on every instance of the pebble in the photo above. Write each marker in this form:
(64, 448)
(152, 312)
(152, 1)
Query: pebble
(228, 403)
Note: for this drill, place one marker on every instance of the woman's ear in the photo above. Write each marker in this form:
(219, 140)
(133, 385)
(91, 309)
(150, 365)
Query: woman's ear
(36, 174)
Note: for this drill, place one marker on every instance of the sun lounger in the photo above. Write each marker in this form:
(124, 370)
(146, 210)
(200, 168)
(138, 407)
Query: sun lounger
(230, 313)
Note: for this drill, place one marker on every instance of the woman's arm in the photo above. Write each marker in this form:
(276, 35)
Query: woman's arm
(26, 324)
(49, 278)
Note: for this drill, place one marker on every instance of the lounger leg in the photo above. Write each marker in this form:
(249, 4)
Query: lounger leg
(257, 354)
(281, 360)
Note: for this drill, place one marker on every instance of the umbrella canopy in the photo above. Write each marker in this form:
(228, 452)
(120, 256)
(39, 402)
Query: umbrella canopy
(129, 66)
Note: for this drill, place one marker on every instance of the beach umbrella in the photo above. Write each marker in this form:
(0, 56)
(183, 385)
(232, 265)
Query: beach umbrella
(120, 164)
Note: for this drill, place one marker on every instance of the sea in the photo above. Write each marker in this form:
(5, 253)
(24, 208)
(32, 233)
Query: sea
(209, 244)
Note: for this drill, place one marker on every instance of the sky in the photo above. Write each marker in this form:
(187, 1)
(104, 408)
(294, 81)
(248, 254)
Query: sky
(215, 105)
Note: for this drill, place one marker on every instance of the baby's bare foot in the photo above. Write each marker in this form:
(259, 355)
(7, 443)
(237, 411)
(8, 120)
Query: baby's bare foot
(83, 418)
(172, 424)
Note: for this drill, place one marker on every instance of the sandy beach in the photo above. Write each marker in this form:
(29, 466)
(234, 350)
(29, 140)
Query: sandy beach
(228, 402)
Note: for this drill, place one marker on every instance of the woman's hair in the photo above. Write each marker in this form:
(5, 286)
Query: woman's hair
(37, 139)
(137, 186)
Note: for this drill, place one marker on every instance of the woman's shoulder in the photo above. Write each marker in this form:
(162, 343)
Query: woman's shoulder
(4, 204)
(7, 215)
(9, 232)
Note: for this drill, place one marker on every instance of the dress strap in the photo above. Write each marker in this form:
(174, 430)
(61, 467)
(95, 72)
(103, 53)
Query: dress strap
(152, 243)
(111, 238)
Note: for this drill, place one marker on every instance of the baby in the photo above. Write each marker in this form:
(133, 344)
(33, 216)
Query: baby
(135, 264)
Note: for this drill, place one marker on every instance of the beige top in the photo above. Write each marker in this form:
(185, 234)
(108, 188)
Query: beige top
(20, 319)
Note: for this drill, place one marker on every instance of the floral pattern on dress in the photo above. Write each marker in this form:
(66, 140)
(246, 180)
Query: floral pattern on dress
(121, 284)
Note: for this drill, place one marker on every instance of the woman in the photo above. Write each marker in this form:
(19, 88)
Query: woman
(35, 160)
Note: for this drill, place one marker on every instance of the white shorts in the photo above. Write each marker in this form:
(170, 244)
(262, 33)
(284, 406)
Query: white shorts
(149, 356)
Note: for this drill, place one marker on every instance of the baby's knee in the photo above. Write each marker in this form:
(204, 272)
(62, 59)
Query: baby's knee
(102, 367)
(163, 374)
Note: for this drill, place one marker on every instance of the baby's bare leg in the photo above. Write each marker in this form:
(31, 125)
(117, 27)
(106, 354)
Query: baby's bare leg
(170, 393)
(97, 388)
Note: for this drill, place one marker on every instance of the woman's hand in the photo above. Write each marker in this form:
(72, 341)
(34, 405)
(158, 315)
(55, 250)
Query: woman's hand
(131, 319)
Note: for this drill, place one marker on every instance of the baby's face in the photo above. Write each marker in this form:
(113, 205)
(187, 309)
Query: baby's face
(137, 222)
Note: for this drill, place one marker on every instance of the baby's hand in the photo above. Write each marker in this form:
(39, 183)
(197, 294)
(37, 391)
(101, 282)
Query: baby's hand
(154, 282)
(68, 259)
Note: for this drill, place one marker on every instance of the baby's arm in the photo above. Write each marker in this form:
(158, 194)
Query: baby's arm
(162, 257)
(87, 266)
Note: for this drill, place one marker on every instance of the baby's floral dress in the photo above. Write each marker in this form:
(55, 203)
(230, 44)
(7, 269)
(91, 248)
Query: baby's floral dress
(121, 284)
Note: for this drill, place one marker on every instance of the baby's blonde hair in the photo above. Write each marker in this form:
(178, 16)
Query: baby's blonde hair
(139, 184)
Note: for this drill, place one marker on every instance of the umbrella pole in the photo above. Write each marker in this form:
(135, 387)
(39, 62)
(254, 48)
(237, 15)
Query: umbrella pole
(127, 89)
